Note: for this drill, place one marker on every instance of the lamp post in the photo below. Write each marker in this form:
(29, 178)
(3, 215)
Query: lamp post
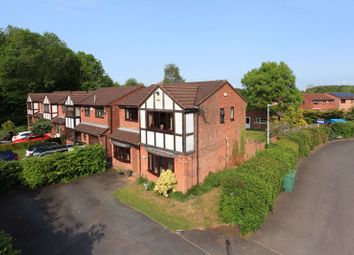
(268, 120)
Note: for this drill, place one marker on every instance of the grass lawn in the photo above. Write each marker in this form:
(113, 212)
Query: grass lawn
(196, 213)
(257, 135)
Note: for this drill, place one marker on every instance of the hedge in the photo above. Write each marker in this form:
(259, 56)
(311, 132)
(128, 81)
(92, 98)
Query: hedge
(249, 192)
(62, 167)
(345, 130)
(9, 174)
(19, 146)
(6, 246)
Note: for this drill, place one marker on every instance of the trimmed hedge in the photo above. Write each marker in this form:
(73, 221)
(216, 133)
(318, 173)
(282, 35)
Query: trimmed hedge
(62, 167)
(6, 246)
(248, 193)
(9, 174)
(17, 146)
(345, 130)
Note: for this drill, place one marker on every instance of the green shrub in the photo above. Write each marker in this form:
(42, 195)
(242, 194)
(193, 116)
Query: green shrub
(141, 180)
(345, 130)
(6, 246)
(62, 167)
(9, 174)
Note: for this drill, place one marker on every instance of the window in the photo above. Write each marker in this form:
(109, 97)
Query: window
(87, 111)
(316, 102)
(131, 114)
(29, 105)
(232, 113)
(342, 101)
(160, 121)
(158, 163)
(261, 121)
(69, 112)
(99, 112)
(46, 108)
(222, 115)
(122, 154)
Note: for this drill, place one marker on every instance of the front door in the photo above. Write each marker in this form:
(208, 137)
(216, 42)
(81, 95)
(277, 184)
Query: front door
(248, 122)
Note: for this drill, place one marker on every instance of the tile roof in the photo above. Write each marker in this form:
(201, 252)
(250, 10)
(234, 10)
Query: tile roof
(137, 97)
(78, 96)
(125, 136)
(57, 97)
(37, 97)
(342, 95)
(58, 120)
(38, 115)
(93, 130)
(105, 96)
(317, 96)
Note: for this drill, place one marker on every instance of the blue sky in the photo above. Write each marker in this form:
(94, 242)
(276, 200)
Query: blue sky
(207, 39)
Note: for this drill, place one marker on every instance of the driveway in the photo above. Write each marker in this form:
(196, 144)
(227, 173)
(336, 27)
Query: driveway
(317, 218)
(83, 218)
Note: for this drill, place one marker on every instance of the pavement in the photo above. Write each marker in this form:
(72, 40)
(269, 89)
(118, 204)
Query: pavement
(317, 218)
(83, 217)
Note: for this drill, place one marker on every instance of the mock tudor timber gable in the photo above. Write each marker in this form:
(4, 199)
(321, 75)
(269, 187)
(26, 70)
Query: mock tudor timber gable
(165, 124)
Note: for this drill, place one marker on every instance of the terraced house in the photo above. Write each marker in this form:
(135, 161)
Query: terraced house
(190, 128)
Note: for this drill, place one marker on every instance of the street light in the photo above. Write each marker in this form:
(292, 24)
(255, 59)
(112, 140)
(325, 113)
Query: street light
(268, 120)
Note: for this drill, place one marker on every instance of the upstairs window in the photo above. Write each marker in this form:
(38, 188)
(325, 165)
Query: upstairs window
(99, 112)
(131, 114)
(69, 112)
(222, 115)
(160, 121)
(232, 113)
(46, 108)
(87, 111)
(29, 105)
(342, 101)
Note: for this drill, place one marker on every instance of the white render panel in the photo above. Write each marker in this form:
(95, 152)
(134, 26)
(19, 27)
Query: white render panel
(77, 111)
(177, 107)
(159, 139)
(143, 136)
(46, 100)
(150, 138)
(35, 106)
(169, 142)
(69, 101)
(47, 116)
(168, 102)
(150, 102)
(189, 143)
(158, 98)
(77, 121)
(179, 145)
(29, 99)
(178, 123)
(142, 119)
(54, 108)
(143, 105)
(189, 123)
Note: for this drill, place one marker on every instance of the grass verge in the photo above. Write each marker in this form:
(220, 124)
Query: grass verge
(257, 135)
(196, 213)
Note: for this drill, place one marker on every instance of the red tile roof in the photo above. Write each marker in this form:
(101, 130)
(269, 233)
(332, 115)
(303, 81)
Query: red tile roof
(38, 115)
(317, 96)
(137, 97)
(93, 130)
(59, 120)
(37, 97)
(79, 96)
(125, 136)
(57, 97)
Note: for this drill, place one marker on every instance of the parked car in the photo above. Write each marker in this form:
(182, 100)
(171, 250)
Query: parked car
(36, 147)
(21, 135)
(47, 151)
(335, 120)
(32, 137)
(8, 155)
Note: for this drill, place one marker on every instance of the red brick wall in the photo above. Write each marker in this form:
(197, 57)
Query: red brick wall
(92, 118)
(127, 123)
(309, 105)
(347, 106)
(134, 164)
(213, 152)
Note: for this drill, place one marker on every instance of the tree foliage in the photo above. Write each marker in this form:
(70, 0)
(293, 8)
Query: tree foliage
(42, 126)
(272, 82)
(131, 82)
(331, 88)
(172, 75)
(8, 126)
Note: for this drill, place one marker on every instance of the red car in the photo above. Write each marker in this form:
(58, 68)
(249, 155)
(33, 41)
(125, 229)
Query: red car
(33, 138)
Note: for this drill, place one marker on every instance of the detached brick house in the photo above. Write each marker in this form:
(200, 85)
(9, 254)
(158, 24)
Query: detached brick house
(256, 119)
(343, 100)
(319, 101)
(190, 128)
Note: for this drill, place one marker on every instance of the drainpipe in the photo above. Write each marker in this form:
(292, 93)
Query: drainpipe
(227, 151)
(197, 136)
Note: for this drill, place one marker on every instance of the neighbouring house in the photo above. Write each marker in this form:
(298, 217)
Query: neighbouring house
(343, 100)
(53, 110)
(34, 107)
(319, 101)
(191, 128)
(256, 119)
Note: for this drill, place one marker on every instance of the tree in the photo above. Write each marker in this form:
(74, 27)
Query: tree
(172, 75)
(294, 117)
(272, 82)
(131, 82)
(8, 126)
(330, 88)
(42, 126)
(92, 74)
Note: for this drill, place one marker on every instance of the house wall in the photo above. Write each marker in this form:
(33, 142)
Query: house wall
(120, 112)
(92, 119)
(134, 164)
(308, 104)
(253, 115)
(216, 140)
(347, 106)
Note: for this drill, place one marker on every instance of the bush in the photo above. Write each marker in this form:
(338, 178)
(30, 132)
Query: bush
(8, 126)
(345, 130)
(166, 183)
(62, 167)
(6, 246)
(9, 174)
(141, 180)
(42, 126)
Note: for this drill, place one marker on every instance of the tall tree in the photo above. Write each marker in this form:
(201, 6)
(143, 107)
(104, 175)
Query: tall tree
(172, 75)
(92, 74)
(132, 82)
(272, 82)
(331, 88)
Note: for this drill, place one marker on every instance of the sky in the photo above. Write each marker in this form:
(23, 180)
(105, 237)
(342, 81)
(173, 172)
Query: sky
(206, 39)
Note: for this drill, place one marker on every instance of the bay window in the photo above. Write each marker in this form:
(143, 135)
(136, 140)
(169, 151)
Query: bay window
(158, 163)
(122, 154)
(161, 121)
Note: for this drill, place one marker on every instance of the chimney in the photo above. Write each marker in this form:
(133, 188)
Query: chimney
(94, 98)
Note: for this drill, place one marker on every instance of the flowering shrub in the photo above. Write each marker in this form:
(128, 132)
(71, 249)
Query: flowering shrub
(166, 183)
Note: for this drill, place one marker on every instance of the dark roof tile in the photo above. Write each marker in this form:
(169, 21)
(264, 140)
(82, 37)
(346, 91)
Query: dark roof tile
(93, 130)
(125, 136)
